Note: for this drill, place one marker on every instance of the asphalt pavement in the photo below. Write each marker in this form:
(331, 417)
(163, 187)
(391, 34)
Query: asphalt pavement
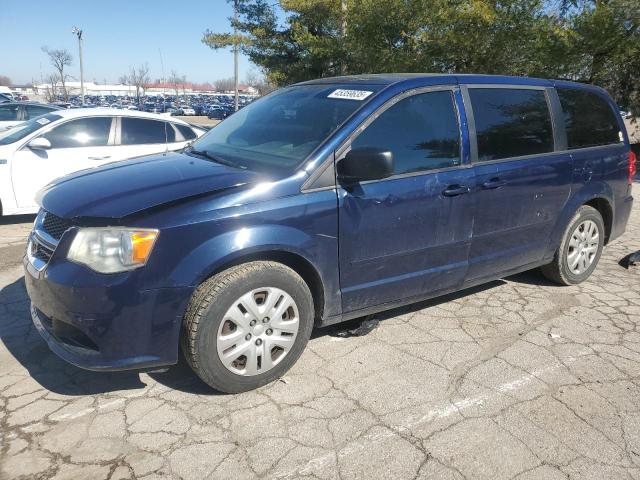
(517, 379)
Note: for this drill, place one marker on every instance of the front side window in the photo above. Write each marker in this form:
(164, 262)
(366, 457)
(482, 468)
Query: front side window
(9, 113)
(421, 131)
(589, 119)
(82, 132)
(141, 131)
(186, 132)
(276, 133)
(511, 122)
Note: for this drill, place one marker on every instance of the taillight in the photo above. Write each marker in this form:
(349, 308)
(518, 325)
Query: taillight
(632, 166)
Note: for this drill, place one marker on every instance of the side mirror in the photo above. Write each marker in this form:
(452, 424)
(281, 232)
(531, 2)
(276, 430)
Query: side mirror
(39, 143)
(362, 164)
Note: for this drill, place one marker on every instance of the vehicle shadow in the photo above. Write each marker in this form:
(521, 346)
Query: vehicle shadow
(533, 277)
(13, 219)
(339, 329)
(22, 340)
(24, 343)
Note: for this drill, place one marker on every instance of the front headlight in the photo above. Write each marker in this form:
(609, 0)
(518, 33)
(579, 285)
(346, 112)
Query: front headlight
(112, 249)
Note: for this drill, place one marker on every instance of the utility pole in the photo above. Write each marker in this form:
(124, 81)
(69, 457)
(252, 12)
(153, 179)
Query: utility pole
(235, 51)
(343, 32)
(78, 32)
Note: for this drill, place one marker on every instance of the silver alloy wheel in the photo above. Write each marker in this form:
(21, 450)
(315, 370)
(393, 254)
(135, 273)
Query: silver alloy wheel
(583, 247)
(258, 331)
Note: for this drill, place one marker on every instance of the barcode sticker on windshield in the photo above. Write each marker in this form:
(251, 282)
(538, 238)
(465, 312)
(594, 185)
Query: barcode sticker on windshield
(349, 94)
(43, 121)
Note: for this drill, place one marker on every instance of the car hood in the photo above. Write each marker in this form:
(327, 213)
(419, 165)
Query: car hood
(125, 188)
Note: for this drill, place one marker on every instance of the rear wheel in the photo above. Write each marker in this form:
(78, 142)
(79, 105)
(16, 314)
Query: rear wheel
(246, 326)
(580, 250)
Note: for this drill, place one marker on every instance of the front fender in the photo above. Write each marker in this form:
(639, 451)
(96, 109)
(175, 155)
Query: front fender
(585, 194)
(228, 247)
(319, 251)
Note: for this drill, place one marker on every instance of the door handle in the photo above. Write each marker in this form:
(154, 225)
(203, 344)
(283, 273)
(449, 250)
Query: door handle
(493, 183)
(100, 158)
(455, 190)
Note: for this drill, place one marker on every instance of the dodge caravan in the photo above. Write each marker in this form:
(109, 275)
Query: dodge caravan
(321, 202)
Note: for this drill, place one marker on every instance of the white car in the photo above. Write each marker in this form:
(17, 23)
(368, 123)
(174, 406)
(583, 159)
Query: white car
(186, 110)
(36, 152)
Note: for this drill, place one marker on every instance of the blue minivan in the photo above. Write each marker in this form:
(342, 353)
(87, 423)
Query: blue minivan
(321, 202)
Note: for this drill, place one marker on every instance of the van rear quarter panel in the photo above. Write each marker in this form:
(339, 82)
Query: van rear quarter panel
(598, 173)
(603, 178)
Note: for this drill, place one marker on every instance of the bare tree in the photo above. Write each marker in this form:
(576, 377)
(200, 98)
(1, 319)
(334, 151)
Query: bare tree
(5, 81)
(184, 86)
(175, 81)
(225, 84)
(60, 59)
(50, 92)
(260, 83)
(139, 78)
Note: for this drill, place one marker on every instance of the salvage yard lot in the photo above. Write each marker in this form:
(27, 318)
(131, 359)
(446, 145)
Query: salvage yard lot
(515, 379)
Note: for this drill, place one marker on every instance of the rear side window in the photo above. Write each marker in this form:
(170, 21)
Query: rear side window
(83, 132)
(36, 110)
(186, 132)
(140, 131)
(589, 119)
(511, 122)
(421, 131)
(8, 112)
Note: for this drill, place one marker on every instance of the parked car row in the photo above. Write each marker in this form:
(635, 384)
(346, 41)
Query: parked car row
(201, 104)
(37, 151)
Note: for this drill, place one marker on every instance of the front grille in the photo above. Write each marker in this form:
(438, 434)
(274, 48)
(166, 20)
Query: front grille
(54, 225)
(41, 252)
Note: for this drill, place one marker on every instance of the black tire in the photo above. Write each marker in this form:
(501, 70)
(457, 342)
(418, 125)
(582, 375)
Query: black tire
(558, 270)
(210, 302)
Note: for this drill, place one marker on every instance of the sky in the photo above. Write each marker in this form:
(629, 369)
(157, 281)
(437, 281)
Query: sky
(117, 34)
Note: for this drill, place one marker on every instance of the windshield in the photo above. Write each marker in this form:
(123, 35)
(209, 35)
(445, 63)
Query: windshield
(21, 130)
(278, 132)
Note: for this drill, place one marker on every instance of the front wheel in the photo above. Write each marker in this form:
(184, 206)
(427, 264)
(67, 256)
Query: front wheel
(247, 326)
(580, 250)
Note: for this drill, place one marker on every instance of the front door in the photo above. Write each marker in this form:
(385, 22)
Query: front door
(521, 183)
(75, 145)
(407, 235)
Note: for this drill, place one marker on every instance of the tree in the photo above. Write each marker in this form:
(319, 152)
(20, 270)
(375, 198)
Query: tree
(595, 41)
(225, 84)
(50, 92)
(175, 80)
(605, 47)
(138, 77)
(183, 81)
(260, 83)
(309, 47)
(60, 59)
(5, 81)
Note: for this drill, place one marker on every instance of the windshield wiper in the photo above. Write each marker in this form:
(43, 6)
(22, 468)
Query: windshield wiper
(214, 158)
